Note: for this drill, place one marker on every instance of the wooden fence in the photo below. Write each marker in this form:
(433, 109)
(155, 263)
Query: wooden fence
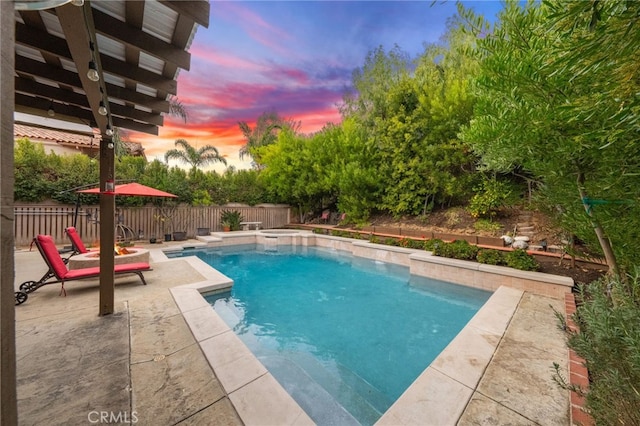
(135, 223)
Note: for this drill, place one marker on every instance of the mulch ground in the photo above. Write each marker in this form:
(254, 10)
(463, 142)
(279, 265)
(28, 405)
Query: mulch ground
(459, 221)
(582, 273)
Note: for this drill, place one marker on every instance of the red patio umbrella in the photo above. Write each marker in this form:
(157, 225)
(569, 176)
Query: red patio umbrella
(134, 189)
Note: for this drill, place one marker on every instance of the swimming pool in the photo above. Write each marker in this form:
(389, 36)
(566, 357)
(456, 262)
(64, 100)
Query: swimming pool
(344, 336)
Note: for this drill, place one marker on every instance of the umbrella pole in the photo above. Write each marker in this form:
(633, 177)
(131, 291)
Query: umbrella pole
(75, 213)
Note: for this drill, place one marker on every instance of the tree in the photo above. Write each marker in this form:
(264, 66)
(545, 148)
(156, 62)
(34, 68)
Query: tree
(354, 169)
(177, 109)
(290, 172)
(203, 156)
(412, 111)
(554, 101)
(265, 133)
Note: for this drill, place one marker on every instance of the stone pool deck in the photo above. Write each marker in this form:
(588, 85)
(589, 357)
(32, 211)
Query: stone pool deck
(145, 361)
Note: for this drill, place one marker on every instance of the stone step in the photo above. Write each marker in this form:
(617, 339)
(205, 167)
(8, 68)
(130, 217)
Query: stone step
(525, 228)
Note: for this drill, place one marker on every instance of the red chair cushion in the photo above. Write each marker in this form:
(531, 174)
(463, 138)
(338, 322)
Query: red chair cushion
(50, 251)
(76, 240)
(76, 274)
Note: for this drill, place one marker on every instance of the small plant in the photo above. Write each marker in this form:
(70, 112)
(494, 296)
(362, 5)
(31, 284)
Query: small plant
(487, 225)
(453, 217)
(390, 242)
(411, 243)
(520, 259)
(164, 219)
(424, 219)
(491, 195)
(490, 257)
(231, 219)
(432, 244)
(459, 249)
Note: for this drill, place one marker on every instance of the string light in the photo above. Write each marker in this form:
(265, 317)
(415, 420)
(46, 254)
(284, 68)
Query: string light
(92, 74)
(109, 130)
(102, 109)
(51, 112)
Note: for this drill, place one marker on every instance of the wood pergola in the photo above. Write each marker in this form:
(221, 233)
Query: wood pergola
(104, 63)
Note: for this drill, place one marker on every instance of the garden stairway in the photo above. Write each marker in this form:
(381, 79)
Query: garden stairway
(524, 225)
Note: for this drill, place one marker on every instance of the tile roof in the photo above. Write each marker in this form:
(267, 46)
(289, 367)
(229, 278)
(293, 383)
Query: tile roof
(67, 137)
(60, 136)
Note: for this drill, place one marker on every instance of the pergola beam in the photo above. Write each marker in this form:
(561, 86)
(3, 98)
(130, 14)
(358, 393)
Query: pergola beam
(138, 75)
(130, 36)
(47, 43)
(26, 66)
(197, 11)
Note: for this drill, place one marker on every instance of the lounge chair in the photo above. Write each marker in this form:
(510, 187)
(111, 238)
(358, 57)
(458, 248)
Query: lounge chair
(60, 273)
(76, 242)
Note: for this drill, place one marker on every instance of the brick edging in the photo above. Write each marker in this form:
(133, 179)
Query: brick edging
(578, 374)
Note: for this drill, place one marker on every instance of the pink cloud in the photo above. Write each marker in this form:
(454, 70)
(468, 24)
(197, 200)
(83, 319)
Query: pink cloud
(212, 56)
(297, 75)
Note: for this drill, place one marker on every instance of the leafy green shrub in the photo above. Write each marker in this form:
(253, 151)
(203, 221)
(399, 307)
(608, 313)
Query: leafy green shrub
(413, 244)
(201, 197)
(520, 259)
(490, 195)
(490, 257)
(430, 245)
(459, 249)
(487, 225)
(391, 242)
(609, 342)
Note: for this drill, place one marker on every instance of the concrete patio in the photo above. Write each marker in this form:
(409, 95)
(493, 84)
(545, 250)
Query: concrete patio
(143, 364)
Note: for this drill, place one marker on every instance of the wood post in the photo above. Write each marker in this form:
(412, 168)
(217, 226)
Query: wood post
(107, 226)
(9, 407)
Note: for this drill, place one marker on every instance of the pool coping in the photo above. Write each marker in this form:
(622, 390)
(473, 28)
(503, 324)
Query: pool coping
(449, 381)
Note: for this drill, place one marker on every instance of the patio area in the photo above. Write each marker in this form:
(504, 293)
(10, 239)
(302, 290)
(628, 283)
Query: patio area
(143, 363)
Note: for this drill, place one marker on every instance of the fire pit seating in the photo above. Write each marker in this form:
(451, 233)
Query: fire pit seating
(59, 272)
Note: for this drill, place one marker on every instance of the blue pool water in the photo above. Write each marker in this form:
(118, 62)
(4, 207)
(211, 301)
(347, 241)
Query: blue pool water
(345, 336)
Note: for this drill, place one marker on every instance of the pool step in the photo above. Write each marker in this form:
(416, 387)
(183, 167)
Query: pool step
(365, 402)
(313, 398)
(311, 383)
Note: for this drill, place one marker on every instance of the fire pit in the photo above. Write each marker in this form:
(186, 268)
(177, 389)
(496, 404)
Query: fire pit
(128, 255)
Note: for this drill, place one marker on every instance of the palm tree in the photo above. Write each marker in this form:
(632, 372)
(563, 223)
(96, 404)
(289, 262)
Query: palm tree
(256, 139)
(264, 133)
(208, 154)
(177, 108)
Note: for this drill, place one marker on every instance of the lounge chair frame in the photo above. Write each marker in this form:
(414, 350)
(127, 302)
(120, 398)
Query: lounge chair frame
(60, 273)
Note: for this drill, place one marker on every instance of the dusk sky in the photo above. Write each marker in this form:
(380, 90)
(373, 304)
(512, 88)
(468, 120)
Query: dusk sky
(294, 57)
